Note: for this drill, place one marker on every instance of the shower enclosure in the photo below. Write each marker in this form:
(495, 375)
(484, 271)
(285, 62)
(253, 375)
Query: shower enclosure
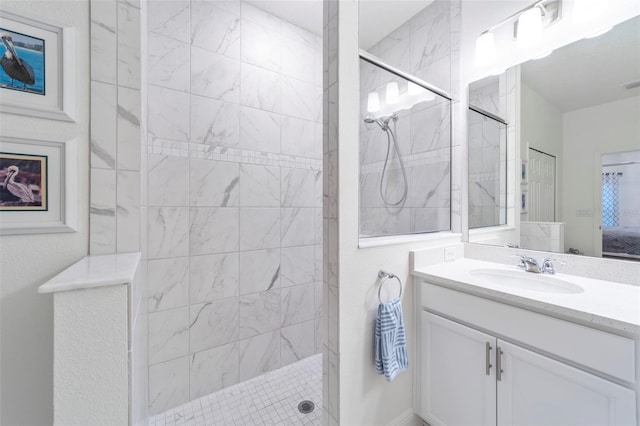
(235, 198)
(405, 153)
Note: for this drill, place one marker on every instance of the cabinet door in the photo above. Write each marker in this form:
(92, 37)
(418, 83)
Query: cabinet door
(536, 390)
(457, 386)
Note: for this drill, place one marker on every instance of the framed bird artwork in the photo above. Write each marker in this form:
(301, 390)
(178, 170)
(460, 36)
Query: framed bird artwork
(38, 191)
(37, 68)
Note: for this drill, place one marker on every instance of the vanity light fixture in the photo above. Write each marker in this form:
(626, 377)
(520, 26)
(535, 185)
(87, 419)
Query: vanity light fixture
(528, 25)
(486, 49)
(373, 102)
(393, 93)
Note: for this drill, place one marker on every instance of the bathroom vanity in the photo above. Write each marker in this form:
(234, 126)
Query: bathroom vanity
(498, 345)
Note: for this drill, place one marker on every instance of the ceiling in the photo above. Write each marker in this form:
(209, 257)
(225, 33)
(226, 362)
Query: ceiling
(380, 17)
(306, 14)
(590, 71)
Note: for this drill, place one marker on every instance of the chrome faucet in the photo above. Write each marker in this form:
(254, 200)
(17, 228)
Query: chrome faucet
(529, 264)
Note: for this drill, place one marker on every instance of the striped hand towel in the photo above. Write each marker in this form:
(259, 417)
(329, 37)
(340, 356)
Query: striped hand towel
(390, 340)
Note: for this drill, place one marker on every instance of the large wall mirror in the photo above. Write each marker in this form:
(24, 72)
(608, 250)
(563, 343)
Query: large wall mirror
(578, 180)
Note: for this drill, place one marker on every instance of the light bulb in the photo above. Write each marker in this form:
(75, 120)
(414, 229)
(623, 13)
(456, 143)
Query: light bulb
(393, 93)
(373, 102)
(485, 49)
(529, 27)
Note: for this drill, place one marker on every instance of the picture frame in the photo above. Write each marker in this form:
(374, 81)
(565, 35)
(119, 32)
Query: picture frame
(38, 186)
(37, 68)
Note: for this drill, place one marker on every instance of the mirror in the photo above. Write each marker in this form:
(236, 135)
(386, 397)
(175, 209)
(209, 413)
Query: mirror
(579, 134)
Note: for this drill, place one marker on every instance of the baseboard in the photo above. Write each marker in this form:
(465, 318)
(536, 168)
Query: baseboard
(407, 418)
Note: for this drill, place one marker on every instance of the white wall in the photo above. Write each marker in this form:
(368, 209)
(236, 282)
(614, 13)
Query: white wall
(365, 398)
(605, 128)
(26, 330)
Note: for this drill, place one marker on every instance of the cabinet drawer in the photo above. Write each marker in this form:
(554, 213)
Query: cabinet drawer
(601, 351)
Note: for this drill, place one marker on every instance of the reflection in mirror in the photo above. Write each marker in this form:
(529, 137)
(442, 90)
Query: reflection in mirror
(405, 155)
(579, 140)
(405, 122)
(487, 136)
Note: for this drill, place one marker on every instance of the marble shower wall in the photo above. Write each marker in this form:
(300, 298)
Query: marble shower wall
(235, 196)
(425, 47)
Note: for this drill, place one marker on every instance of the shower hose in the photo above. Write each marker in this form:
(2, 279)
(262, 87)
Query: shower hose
(392, 137)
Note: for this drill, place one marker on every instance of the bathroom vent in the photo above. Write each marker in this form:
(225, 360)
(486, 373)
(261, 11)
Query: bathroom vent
(631, 85)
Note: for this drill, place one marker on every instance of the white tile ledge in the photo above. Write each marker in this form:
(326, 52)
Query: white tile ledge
(94, 271)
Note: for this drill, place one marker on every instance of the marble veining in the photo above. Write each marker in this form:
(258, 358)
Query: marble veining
(259, 354)
(213, 324)
(297, 342)
(215, 29)
(216, 123)
(259, 313)
(170, 18)
(168, 335)
(260, 271)
(214, 369)
(213, 277)
(215, 76)
(168, 283)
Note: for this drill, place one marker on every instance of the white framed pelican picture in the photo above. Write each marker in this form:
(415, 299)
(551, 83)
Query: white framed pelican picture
(37, 68)
(38, 186)
(23, 184)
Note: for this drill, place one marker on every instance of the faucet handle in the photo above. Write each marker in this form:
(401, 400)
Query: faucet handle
(523, 260)
(547, 265)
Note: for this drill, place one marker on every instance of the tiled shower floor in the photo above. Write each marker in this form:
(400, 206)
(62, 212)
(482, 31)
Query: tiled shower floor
(270, 399)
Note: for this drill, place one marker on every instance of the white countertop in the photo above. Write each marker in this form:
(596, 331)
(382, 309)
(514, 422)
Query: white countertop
(609, 304)
(94, 271)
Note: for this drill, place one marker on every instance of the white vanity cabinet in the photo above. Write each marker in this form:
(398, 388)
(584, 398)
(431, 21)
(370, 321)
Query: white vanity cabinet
(482, 362)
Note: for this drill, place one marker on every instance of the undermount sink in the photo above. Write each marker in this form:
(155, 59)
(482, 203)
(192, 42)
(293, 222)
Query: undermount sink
(526, 281)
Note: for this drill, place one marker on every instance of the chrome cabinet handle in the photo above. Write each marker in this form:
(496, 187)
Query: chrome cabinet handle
(499, 363)
(487, 367)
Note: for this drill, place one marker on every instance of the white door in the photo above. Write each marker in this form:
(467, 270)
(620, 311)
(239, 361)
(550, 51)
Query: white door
(542, 187)
(458, 387)
(536, 390)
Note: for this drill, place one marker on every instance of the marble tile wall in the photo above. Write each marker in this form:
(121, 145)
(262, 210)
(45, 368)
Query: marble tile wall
(115, 127)
(235, 196)
(422, 47)
(118, 177)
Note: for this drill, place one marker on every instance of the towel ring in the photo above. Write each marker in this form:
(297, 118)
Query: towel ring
(384, 275)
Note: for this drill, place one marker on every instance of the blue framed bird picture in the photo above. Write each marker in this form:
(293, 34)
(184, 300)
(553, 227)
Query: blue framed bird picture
(37, 68)
(23, 182)
(22, 62)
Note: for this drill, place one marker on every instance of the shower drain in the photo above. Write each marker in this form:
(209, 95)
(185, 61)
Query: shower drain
(305, 407)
